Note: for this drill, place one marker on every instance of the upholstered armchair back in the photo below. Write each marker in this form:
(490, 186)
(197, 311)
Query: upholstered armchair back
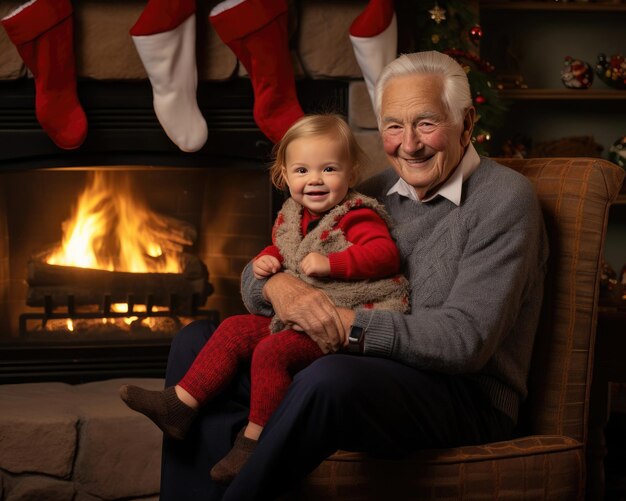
(574, 195)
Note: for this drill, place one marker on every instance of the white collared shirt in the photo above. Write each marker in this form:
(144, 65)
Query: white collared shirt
(452, 188)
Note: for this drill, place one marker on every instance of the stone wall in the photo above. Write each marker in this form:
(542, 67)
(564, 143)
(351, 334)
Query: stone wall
(60, 442)
(104, 48)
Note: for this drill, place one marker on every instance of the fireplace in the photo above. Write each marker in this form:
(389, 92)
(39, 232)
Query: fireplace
(68, 316)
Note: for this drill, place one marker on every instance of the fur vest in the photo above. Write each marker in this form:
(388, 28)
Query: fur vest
(389, 293)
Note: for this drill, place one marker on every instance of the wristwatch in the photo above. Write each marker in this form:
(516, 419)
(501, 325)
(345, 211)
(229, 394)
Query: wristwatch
(356, 339)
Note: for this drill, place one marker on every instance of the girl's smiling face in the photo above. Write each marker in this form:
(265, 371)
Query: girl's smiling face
(318, 172)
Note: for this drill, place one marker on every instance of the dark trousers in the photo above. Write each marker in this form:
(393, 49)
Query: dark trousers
(340, 401)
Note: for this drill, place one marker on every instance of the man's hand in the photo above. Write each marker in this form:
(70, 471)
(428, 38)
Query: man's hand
(347, 319)
(265, 266)
(315, 264)
(306, 308)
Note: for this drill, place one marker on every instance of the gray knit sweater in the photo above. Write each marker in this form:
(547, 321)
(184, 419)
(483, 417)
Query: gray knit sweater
(476, 273)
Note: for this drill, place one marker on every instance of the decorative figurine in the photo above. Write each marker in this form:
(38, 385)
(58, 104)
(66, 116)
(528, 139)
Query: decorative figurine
(617, 152)
(612, 71)
(608, 281)
(576, 74)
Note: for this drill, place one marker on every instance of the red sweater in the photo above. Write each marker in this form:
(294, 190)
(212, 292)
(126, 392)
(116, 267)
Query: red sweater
(373, 253)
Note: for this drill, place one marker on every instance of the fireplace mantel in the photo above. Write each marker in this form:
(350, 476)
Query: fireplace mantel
(123, 128)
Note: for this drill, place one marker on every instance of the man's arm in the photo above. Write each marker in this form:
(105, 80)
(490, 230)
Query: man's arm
(252, 293)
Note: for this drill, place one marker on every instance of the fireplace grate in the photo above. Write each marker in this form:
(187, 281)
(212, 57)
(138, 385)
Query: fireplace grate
(70, 312)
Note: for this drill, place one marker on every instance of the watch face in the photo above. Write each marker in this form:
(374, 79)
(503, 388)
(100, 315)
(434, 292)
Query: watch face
(355, 334)
(354, 339)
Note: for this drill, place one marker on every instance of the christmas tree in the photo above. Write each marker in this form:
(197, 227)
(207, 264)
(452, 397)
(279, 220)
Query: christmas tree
(452, 27)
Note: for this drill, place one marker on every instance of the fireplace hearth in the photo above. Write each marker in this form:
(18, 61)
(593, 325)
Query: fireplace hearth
(65, 321)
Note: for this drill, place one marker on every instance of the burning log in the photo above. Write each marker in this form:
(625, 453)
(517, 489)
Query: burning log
(173, 234)
(181, 292)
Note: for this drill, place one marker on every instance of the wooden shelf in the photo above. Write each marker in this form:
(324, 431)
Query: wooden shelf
(553, 6)
(563, 94)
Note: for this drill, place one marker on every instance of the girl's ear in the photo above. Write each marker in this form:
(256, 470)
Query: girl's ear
(354, 176)
(283, 175)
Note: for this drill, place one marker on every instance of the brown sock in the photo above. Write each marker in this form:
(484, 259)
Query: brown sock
(225, 470)
(163, 407)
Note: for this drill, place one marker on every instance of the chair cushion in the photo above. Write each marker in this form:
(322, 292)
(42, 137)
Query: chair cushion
(535, 467)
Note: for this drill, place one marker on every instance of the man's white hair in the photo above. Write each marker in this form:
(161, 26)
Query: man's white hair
(457, 96)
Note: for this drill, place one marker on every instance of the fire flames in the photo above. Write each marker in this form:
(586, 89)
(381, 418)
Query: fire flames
(112, 229)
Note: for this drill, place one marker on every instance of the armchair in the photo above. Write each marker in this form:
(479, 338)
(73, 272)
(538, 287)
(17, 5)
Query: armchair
(546, 460)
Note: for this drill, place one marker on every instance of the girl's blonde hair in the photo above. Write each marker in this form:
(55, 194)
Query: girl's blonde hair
(325, 124)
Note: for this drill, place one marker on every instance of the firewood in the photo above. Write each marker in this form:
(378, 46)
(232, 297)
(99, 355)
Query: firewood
(86, 286)
(172, 230)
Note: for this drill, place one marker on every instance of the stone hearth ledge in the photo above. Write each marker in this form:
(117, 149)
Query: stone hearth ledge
(61, 441)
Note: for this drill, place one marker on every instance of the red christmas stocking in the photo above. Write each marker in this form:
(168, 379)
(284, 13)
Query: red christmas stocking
(374, 38)
(42, 31)
(256, 31)
(165, 38)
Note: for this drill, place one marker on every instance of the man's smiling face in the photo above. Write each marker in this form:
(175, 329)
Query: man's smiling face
(420, 138)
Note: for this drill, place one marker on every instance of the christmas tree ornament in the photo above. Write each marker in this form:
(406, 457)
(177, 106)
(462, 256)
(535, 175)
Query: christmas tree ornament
(437, 14)
(374, 39)
(480, 138)
(612, 71)
(43, 32)
(576, 74)
(476, 34)
(481, 64)
(617, 152)
(256, 31)
(165, 39)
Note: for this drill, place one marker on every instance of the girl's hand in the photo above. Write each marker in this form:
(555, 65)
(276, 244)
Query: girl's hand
(315, 265)
(265, 266)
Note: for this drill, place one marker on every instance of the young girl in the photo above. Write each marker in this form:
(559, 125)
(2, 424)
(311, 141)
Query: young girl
(326, 234)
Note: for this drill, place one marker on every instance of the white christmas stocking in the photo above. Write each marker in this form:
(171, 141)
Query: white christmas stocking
(374, 38)
(165, 38)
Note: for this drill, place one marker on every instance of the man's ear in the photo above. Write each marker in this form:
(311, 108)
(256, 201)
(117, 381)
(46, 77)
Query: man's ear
(468, 125)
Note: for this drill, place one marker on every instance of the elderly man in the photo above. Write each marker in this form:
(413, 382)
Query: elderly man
(452, 371)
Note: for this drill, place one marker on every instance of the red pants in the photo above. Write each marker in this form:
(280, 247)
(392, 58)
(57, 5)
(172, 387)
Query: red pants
(275, 359)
